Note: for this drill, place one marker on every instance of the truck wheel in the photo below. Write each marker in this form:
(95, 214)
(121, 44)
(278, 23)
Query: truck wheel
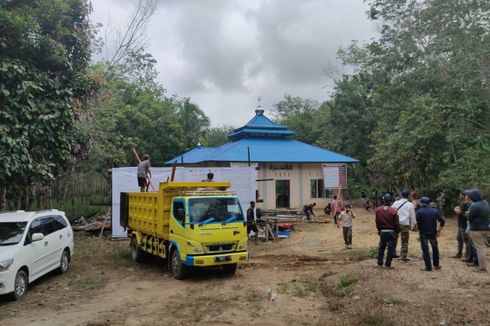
(229, 269)
(179, 270)
(20, 285)
(136, 252)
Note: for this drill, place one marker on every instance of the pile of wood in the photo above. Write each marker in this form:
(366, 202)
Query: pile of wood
(94, 225)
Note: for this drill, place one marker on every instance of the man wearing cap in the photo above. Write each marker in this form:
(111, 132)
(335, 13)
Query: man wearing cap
(388, 225)
(427, 218)
(406, 214)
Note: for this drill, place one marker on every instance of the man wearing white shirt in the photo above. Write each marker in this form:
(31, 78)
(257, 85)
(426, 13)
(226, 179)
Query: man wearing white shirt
(406, 213)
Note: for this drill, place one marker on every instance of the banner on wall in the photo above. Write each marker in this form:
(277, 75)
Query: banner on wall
(243, 183)
(334, 176)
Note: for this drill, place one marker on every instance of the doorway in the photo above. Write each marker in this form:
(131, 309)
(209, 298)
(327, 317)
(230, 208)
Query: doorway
(282, 194)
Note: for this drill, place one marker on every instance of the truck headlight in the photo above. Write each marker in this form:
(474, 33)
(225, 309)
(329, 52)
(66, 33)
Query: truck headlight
(242, 247)
(4, 265)
(194, 249)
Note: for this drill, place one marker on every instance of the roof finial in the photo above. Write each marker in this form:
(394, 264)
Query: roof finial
(259, 110)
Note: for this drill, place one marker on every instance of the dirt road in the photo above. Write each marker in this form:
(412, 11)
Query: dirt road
(309, 279)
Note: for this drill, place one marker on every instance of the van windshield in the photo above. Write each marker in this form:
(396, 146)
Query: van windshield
(214, 210)
(11, 232)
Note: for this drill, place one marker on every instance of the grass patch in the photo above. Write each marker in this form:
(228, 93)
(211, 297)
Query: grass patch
(297, 289)
(376, 320)
(373, 252)
(346, 281)
(88, 283)
(353, 254)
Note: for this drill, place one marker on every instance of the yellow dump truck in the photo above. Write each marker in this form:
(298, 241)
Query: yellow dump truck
(191, 224)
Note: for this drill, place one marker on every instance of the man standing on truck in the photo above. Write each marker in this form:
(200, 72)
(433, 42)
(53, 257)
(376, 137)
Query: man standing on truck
(144, 173)
(210, 177)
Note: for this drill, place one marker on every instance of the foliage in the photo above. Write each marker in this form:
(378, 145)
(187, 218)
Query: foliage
(415, 112)
(193, 122)
(44, 53)
(218, 136)
(304, 116)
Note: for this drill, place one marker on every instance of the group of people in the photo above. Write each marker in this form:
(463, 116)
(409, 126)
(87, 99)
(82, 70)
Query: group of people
(397, 219)
(396, 216)
(473, 229)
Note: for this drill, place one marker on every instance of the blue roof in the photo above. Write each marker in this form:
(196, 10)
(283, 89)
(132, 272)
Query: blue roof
(194, 155)
(264, 150)
(261, 126)
(267, 142)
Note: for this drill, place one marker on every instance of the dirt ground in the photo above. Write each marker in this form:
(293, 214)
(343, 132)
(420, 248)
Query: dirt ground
(309, 279)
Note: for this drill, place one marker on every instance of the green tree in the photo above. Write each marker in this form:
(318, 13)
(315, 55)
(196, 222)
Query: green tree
(307, 118)
(193, 122)
(44, 54)
(218, 136)
(428, 92)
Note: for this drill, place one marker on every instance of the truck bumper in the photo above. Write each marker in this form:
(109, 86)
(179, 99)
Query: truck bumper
(215, 260)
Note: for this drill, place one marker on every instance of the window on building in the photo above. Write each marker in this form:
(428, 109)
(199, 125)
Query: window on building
(317, 188)
(281, 166)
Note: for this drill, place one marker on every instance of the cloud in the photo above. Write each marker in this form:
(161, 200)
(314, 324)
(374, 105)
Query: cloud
(225, 53)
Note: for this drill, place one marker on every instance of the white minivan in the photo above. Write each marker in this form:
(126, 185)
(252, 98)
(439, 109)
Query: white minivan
(31, 245)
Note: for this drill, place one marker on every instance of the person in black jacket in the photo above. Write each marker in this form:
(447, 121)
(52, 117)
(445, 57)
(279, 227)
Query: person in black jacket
(462, 235)
(427, 218)
(479, 218)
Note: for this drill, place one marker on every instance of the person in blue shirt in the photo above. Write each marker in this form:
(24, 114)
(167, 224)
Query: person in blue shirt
(427, 218)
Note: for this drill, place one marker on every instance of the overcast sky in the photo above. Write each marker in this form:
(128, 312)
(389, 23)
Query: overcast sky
(223, 54)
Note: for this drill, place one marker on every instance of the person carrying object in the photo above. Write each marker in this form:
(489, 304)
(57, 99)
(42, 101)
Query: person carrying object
(144, 173)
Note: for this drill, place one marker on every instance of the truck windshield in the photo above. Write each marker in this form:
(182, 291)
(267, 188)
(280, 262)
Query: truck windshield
(11, 232)
(214, 210)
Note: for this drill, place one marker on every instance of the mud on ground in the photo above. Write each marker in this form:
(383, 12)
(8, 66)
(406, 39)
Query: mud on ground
(310, 279)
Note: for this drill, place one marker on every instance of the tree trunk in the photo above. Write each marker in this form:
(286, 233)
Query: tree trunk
(3, 200)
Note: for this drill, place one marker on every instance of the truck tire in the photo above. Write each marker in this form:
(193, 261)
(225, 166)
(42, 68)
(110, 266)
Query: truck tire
(179, 270)
(229, 269)
(136, 252)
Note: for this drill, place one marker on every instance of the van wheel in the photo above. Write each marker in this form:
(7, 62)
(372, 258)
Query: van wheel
(136, 252)
(179, 270)
(229, 269)
(20, 285)
(64, 262)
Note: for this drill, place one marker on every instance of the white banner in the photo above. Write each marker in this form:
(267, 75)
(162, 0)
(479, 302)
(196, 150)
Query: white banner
(334, 176)
(243, 183)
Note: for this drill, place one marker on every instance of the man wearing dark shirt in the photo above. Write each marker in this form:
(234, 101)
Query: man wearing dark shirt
(252, 215)
(308, 210)
(462, 236)
(427, 218)
(388, 226)
(479, 219)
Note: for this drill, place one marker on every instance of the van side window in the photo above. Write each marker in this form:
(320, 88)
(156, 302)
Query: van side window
(59, 222)
(179, 212)
(42, 225)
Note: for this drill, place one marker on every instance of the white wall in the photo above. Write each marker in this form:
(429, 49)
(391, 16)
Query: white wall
(243, 183)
